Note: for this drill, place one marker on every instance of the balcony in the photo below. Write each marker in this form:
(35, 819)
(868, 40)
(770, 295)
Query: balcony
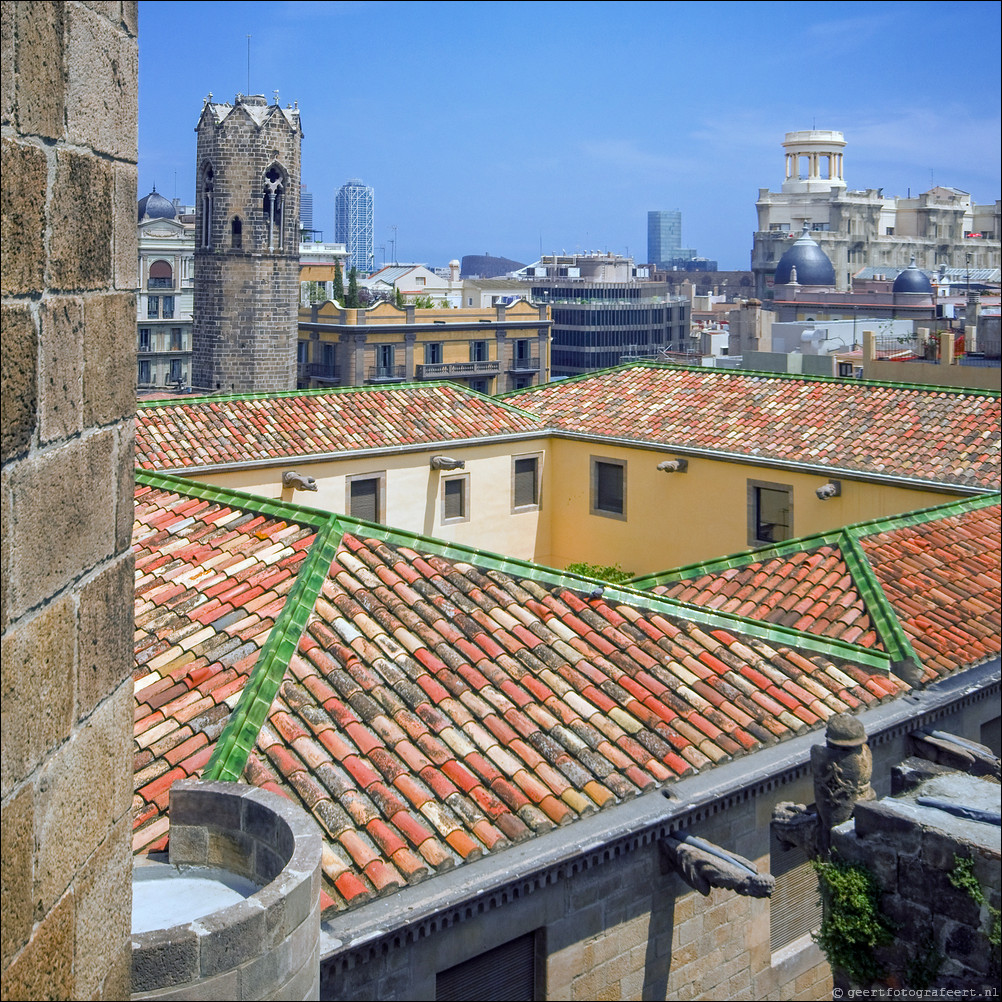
(387, 373)
(321, 372)
(527, 364)
(464, 370)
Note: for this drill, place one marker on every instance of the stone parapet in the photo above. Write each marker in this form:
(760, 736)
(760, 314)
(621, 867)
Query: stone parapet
(263, 947)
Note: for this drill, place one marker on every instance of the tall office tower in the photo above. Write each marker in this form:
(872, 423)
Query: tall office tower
(246, 247)
(305, 209)
(353, 223)
(664, 239)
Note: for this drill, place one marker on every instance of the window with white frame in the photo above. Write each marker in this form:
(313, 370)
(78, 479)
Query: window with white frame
(365, 496)
(456, 499)
(525, 482)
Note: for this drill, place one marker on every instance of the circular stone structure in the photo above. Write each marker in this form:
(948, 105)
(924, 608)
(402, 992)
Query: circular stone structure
(242, 894)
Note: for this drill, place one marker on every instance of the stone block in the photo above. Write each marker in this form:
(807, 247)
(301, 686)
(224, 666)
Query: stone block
(61, 369)
(83, 786)
(230, 937)
(19, 381)
(8, 19)
(103, 892)
(109, 349)
(165, 957)
(41, 69)
(124, 472)
(17, 851)
(80, 244)
(6, 546)
(105, 644)
(125, 251)
(61, 495)
(102, 92)
(44, 968)
(37, 658)
(874, 818)
(188, 844)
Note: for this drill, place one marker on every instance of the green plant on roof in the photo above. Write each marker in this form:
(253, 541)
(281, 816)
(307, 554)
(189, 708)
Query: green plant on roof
(424, 302)
(351, 298)
(853, 925)
(614, 574)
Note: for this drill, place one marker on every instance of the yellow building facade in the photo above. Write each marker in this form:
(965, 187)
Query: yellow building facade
(488, 350)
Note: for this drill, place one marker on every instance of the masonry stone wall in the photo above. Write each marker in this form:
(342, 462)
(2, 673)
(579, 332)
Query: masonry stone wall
(246, 297)
(69, 79)
(933, 919)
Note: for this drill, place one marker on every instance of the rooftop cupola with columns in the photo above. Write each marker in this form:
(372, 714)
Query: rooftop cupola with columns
(813, 160)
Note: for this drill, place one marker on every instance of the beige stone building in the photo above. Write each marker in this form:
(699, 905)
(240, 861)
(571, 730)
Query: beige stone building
(491, 350)
(856, 229)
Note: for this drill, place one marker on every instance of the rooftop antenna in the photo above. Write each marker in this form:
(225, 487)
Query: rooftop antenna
(248, 63)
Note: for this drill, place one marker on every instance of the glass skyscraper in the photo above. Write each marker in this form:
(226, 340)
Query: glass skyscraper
(353, 223)
(664, 238)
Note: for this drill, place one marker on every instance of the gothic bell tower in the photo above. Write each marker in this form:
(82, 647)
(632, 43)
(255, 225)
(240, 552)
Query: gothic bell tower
(246, 247)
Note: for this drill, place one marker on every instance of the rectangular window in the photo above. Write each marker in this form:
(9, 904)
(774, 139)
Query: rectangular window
(478, 351)
(175, 369)
(456, 499)
(144, 372)
(384, 357)
(794, 910)
(168, 307)
(510, 971)
(152, 307)
(144, 339)
(366, 496)
(522, 353)
(770, 512)
(175, 339)
(433, 353)
(525, 482)
(608, 487)
(302, 352)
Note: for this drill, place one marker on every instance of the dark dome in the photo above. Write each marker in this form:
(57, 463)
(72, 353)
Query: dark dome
(812, 264)
(155, 206)
(912, 279)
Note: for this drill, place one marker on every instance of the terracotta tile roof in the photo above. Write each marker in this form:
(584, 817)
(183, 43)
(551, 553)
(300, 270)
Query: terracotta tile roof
(923, 433)
(931, 579)
(212, 578)
(204, 431)
(428, 703)
(438, 710)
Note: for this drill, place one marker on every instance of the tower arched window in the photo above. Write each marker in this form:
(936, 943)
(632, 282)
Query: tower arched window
(236, 233)
(274, 206)
(205, 235)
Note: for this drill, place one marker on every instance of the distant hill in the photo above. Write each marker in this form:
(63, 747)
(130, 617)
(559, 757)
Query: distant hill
(485, 266)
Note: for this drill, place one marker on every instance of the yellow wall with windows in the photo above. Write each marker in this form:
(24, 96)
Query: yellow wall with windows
(679, 518)
(670, 518)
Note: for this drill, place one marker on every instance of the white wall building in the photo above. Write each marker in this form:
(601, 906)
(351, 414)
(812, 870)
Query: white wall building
(165, 284)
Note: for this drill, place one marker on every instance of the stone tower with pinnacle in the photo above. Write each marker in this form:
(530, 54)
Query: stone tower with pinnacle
(246, 292)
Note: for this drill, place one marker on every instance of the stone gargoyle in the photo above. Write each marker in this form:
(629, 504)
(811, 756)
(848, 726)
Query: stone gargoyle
(298, 482)
(703, 866)
(445, 463)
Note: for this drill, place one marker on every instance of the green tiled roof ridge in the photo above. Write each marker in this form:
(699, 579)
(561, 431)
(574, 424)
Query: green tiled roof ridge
(244, 724)
(770, 632)
(878, 607)
(721, 372)
(330, 391)
(883, 523)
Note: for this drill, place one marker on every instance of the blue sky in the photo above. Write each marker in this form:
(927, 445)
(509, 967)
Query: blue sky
(502, 127)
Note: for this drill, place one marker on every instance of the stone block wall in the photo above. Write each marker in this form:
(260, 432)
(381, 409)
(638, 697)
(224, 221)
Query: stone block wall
(264, 947)
(912, 862)
(69, 136)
